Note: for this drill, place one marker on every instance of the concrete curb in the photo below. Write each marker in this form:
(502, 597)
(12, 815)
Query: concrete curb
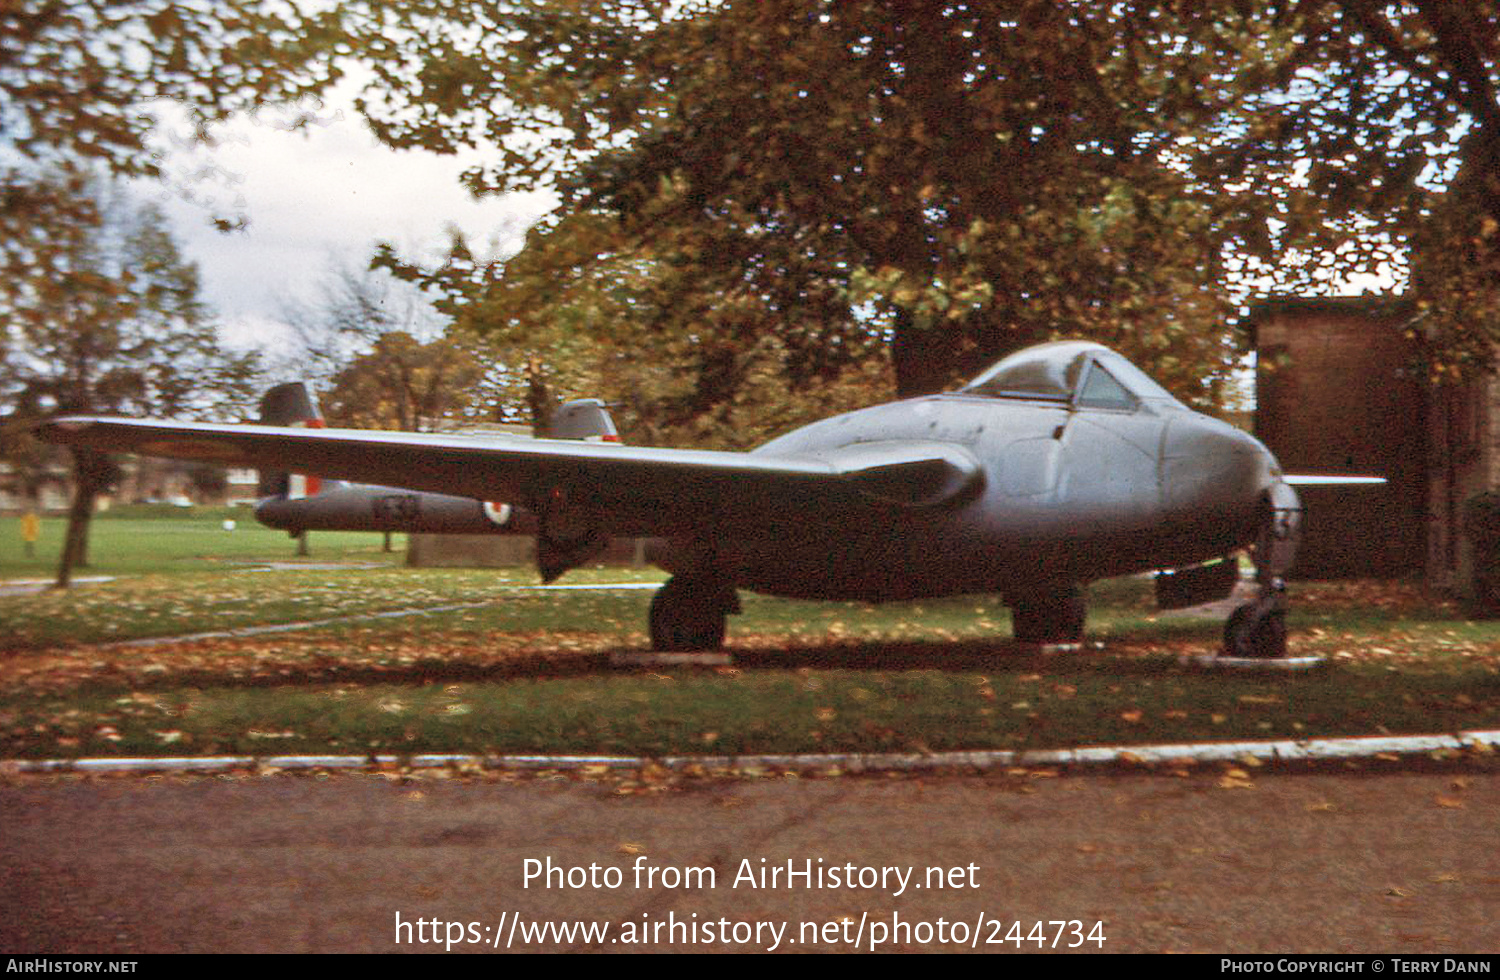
(1322, 749)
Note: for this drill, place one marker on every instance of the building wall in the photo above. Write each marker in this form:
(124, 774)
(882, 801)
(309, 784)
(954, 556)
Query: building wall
(1465, 460)
(1334, 395)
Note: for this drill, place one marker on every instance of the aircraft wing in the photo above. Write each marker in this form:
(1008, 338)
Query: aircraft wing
(634, 490)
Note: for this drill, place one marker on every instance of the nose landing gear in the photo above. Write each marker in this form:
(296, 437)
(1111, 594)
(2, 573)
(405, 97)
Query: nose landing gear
(1255, 634)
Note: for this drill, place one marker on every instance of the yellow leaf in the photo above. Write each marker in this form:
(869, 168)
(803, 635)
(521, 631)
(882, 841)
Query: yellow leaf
(1448, 802)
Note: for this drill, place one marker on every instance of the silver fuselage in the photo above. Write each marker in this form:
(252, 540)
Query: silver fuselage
(1067, 495)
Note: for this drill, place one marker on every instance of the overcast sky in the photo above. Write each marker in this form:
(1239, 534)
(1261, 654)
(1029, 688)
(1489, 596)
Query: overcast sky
(315, 200)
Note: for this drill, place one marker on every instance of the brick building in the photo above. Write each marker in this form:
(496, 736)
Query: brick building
(1335, 394)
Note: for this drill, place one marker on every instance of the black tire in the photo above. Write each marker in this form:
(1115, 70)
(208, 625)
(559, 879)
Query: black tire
(1268, 635)
(1234, 628)
(1256, 633)
(1055, 618)
(684, 617)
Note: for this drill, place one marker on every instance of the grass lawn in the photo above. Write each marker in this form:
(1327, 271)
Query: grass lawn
(495, 665)
(141, 540)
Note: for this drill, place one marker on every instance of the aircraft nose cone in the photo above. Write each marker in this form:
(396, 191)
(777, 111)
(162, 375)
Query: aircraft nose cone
(1211, 466)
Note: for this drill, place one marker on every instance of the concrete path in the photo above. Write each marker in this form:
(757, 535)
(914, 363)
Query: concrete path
(1403, 862)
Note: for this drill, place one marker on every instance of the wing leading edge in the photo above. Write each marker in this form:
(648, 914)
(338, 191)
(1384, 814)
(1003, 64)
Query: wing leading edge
(632, 490)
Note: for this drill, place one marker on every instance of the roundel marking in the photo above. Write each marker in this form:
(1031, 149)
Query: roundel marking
(497, 513)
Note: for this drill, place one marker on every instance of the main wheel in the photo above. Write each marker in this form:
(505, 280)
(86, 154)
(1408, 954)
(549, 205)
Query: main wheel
(1057, 618)
(686, 615)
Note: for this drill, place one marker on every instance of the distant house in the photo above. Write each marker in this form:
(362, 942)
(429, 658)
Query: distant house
(1335, 393)
(49, 491)
(143, 480)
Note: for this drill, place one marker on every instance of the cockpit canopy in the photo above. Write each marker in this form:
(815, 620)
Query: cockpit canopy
(1079, 373)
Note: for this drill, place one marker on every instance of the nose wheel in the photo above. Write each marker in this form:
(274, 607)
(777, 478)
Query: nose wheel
(1257, 630)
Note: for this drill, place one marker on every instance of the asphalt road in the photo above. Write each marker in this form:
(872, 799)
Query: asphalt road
(1391, 862)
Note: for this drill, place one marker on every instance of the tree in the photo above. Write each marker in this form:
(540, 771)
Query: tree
(351, 310)
(947, 180)
(108, 319)
(385, 357)
(404, 384)
(583, 328)
(77, 82)
(958, 178)
(1374, 140)
(78, 77)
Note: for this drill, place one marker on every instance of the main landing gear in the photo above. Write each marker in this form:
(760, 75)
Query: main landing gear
(1051, 620)
(689, 613)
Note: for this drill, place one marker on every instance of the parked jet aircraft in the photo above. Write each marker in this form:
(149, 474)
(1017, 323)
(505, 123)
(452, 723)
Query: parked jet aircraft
(295, 503)
(1062, 464)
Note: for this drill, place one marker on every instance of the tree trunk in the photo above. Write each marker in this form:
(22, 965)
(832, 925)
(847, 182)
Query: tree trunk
(92, 473)
(538, 398)
(922, 359)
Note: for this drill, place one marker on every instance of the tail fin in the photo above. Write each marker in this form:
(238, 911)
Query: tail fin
(289, 404)
(583, 418)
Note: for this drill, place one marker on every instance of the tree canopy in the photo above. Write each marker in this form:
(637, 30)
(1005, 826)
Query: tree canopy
(78, 79)
(954, 179)
(797, 189)
(403, 383)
